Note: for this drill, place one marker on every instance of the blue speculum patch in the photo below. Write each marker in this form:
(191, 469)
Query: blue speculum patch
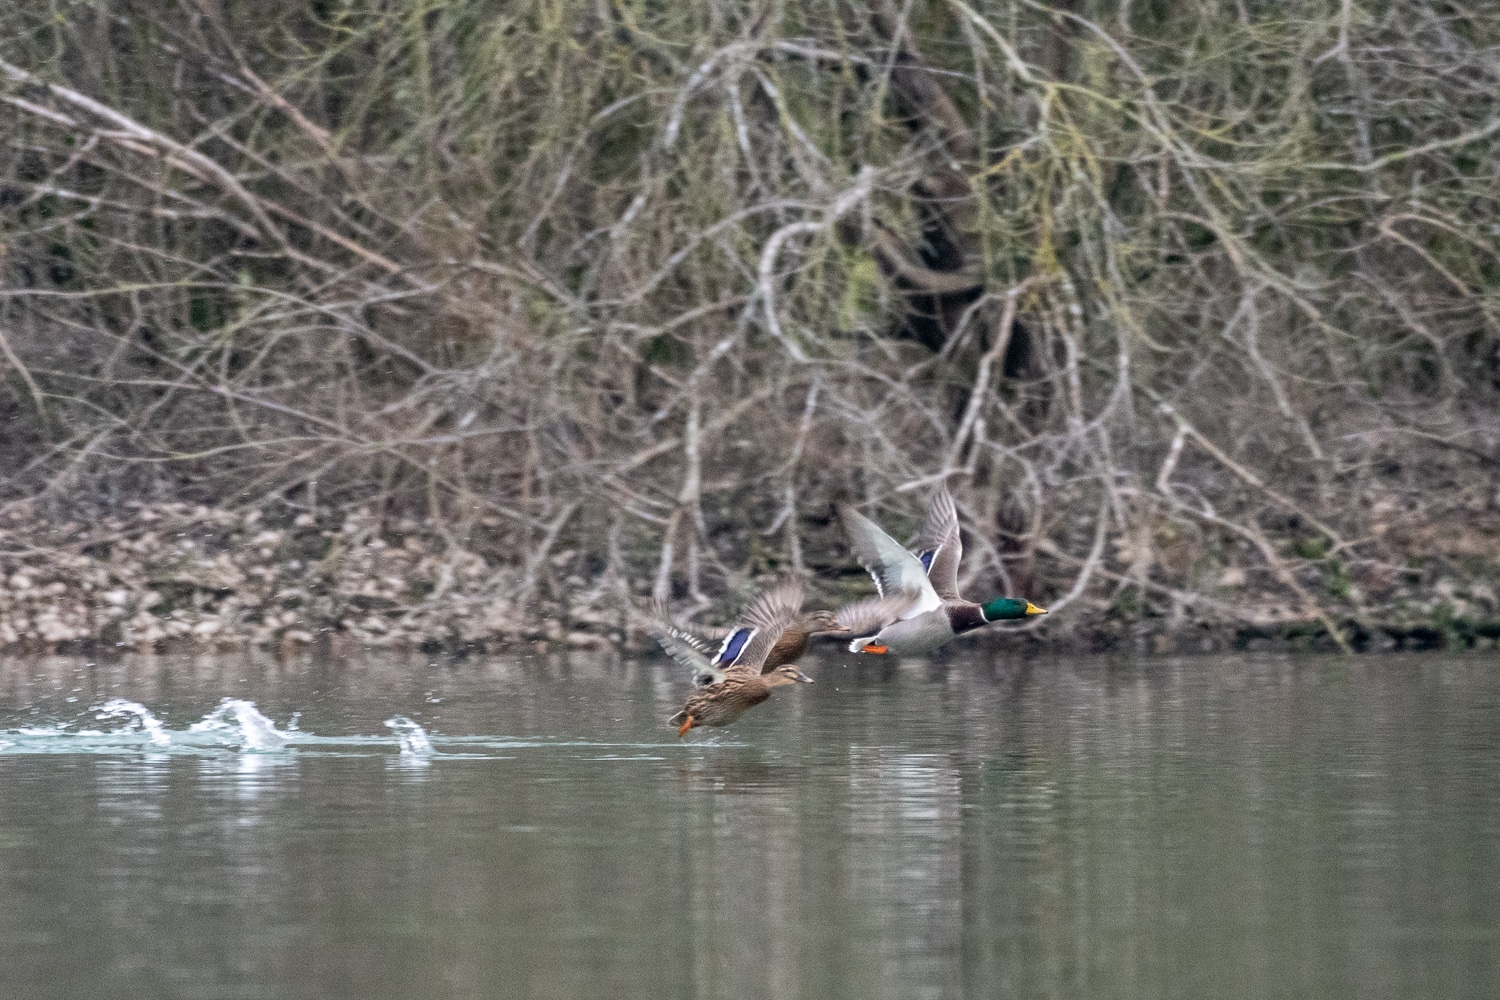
(927, 558)
(733, 646)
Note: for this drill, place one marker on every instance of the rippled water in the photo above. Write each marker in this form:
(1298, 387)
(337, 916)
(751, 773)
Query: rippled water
(395, 827)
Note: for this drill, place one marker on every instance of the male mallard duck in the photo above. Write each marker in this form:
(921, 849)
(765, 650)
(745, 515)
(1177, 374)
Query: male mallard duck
(730, 680)
(919, 607)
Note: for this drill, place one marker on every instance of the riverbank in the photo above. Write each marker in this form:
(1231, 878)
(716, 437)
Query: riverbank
(184, 577)
(1210, 380)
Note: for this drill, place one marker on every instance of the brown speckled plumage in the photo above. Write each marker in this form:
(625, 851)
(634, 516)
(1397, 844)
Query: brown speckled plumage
(792, 644)
(720, 704)
(730, 680)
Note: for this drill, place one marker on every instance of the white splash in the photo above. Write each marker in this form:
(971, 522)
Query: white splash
(414, 740)
(140, 716)
(255, 731)
(61, 729)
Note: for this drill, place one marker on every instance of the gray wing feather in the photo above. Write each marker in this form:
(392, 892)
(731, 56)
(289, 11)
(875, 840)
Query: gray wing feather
(708, 636)
(679, 646)
(940, 537)
(894, 569)
(682, 646)
(712, 633)
(867, 617)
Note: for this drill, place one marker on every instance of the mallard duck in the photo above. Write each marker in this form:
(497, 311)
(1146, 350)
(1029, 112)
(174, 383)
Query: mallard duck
(792, 644)
(919, 607)
(722, 702)
(730, 679)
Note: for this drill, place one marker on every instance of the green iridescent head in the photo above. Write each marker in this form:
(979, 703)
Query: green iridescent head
(1003, 609)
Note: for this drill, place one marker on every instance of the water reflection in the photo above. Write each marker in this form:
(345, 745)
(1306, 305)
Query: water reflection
(951, 828)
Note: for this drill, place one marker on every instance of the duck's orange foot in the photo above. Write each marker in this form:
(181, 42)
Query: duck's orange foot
(687, 724)
(876, 649)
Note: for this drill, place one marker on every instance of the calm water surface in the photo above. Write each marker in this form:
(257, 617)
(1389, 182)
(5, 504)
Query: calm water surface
(389, 826)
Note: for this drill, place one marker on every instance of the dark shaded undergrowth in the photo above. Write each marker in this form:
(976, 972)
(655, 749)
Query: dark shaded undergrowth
(1192, 305)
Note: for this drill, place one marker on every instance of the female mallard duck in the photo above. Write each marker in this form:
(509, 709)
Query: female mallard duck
(919, 607)
(792, 644)
(722, 702)
(730, 680)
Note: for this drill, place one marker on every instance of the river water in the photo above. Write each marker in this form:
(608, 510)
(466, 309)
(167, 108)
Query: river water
(394, 826)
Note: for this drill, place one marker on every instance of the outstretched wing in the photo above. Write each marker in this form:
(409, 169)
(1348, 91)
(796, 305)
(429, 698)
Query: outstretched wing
(940, 548)
(895, 570)
(865, 618)
(684, 647)
(715, 634)
(759, 626)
